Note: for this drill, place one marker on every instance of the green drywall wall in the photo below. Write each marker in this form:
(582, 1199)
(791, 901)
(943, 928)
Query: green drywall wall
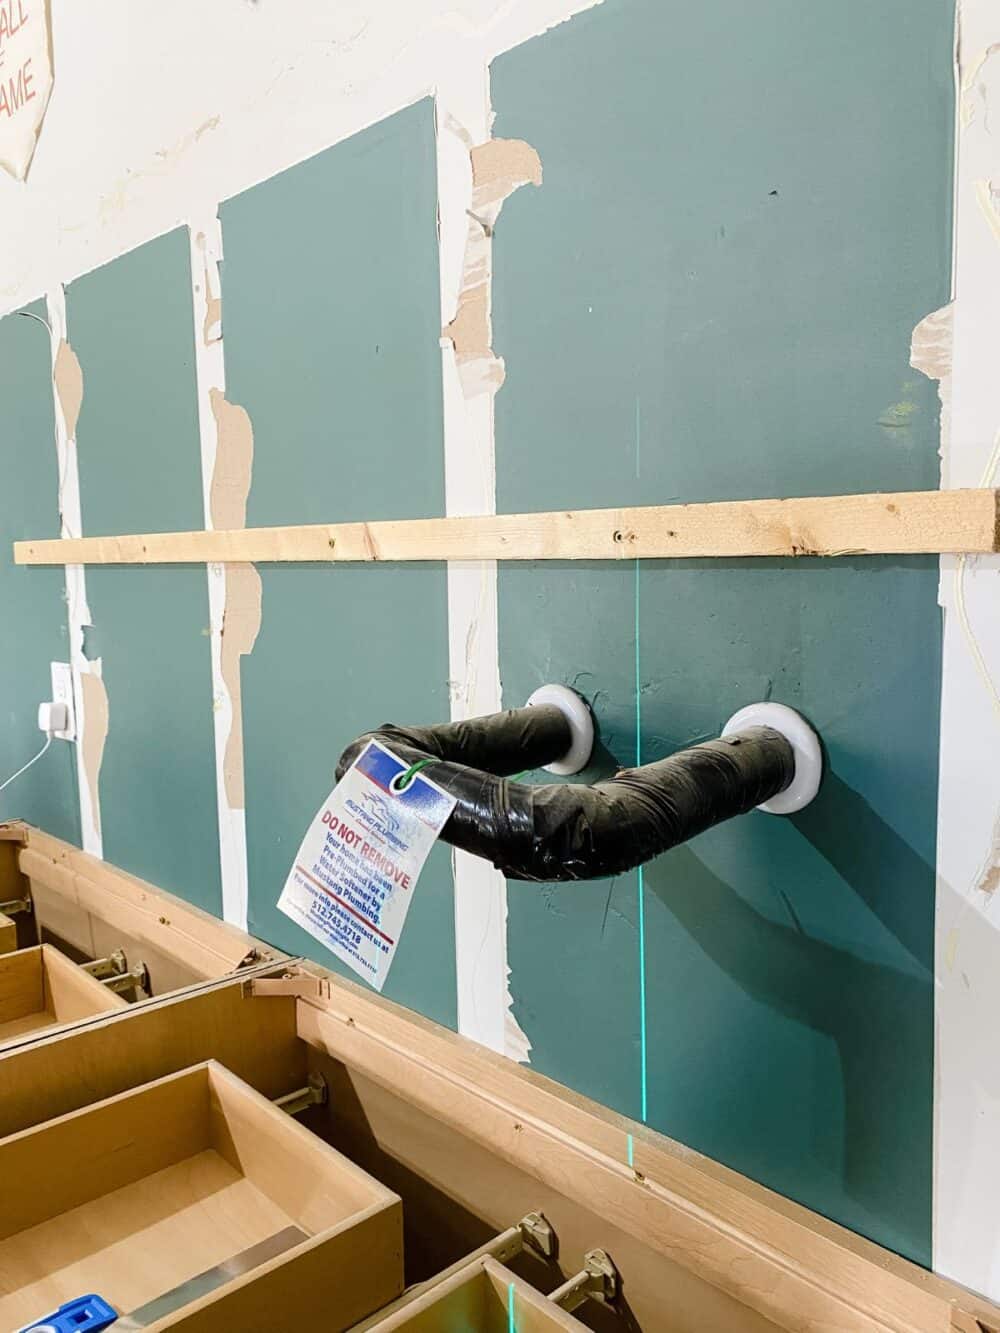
(744, 213)
(131, 323)
(331, 333)
(572, 949)
(32, 601)
(132, 326)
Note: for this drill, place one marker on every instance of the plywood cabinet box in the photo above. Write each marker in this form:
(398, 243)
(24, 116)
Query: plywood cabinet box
(41, 987)
(8, 934)
(468, 1141)
(484, 1296)
(141, 1193)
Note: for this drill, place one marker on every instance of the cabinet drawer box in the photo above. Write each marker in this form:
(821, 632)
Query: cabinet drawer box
(136, 1197)
(41, 987)
(484, 1296)
(8, 934)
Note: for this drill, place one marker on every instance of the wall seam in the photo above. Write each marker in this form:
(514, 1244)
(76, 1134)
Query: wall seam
(959, 351)
(464, 119)
(206, 254)
(89, 695)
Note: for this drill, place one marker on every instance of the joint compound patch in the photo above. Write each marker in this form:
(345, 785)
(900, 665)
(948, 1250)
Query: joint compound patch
(68, 380)
(499, 167)
(233, 463)
(931, 354)
(241, 616)
(355, 873)
(94, 735)
(241, 619)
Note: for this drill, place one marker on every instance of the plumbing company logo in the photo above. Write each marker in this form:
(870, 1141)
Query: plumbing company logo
(373, 812)
(378, 809)
(422, 798)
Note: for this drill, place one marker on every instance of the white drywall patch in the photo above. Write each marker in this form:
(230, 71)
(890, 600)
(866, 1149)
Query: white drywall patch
(967, 1073)
(25, 80)
(234, 592)
(463, 119)
(90, 696)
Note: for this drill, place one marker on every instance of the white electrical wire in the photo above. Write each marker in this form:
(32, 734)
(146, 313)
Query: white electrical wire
(48, 742)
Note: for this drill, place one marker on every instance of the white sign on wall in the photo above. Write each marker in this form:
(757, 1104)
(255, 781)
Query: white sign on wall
(25, 80)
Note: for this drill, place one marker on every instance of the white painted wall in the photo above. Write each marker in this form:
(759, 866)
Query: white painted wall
(161, 110)
(967, 1063)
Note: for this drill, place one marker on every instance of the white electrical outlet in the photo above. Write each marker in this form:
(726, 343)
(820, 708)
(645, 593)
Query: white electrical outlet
(62, 693)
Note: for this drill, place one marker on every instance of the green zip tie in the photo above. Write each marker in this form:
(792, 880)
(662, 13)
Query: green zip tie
(403, 780)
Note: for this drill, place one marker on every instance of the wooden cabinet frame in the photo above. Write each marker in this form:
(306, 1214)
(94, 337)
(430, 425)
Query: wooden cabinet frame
(468, 1137)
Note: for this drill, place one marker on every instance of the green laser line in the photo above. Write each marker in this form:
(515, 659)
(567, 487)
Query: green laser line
(643, 1066)
(511, 1325)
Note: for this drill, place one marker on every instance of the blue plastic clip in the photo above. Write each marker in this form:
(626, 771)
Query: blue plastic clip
(87, 1314)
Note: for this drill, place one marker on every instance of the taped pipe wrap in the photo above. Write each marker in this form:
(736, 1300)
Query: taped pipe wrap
(563, 831)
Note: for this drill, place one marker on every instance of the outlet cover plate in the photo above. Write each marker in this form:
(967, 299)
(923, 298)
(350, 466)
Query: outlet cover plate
(62, 693)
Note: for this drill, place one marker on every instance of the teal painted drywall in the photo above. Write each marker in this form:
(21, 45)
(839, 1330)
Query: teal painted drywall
(32, 601)
(131, 323)
(158, 796)
(573, 948)
(132, 326)
(745, 211)
(331, 330)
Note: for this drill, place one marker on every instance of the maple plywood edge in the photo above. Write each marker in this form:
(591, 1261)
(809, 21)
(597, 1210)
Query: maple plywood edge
(793, 1268)
(55, 1075)
(74, 891)
(891, 523)
(12, 882)
(72, 993)
(22, 991)
(40, 988)
(317, 1186)
(789, 1265)
(483, 1295)
(364, 1269)
(14, 885)
(8, 934)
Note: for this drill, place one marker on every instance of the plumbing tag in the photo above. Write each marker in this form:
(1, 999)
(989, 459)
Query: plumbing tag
(354, 876)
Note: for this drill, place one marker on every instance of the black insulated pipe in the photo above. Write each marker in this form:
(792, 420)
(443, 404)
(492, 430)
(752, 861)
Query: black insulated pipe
(565, 831)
